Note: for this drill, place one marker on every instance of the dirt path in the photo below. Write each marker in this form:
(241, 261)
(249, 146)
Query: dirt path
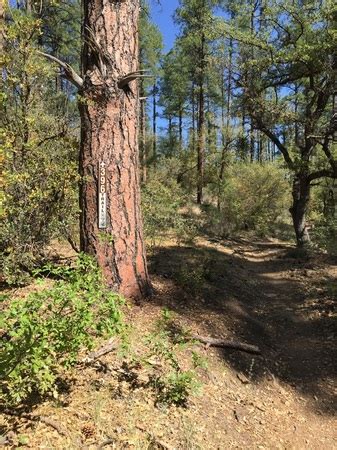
(263, 294)
(295, 302)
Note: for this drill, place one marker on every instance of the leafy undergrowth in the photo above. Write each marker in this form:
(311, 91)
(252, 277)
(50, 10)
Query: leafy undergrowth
(43, 334)
(166, 391)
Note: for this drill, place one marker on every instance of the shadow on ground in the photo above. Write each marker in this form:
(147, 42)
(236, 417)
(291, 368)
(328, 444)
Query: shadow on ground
(260, 295)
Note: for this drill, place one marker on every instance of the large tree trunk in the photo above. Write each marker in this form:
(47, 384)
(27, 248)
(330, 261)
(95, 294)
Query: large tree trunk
(301, 197)
(108, 110)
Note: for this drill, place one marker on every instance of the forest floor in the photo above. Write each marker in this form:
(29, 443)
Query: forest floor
(255, 291)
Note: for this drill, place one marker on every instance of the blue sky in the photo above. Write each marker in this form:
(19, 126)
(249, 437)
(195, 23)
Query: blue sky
(162, 16)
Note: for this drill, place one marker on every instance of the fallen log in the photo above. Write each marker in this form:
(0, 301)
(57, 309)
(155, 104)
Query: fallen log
(223, 343)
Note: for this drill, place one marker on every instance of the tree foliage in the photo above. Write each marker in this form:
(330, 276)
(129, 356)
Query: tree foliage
(39, 147)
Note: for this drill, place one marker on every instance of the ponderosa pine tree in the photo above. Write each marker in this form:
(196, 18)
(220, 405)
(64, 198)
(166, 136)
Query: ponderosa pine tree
(150, 48)
(108, 102)
(195, 20)
(175, 88)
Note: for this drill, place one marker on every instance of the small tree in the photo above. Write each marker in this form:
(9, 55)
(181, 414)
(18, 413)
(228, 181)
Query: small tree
(38, 150)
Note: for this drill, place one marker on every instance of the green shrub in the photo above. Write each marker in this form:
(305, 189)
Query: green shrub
(253, 197)
(323, 217)
(176, 387)
(161, 206)
(172, 384)
(46, 331)
(38, 152)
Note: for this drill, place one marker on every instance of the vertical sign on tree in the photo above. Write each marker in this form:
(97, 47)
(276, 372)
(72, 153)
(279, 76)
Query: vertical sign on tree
(102, 196)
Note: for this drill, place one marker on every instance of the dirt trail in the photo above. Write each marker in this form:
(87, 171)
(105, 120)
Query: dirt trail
(295, 302)
(263, 294)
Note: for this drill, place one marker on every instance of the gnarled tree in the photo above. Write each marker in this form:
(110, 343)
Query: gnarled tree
(288, 90)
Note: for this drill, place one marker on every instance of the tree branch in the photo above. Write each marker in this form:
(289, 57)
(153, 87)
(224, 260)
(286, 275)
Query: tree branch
(322, 173)
(50, 138)
(69, 72)
(126, 79)
(261, 126)
(223, 343)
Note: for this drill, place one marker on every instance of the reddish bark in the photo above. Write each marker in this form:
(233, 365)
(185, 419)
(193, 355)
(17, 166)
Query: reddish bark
(109, 134)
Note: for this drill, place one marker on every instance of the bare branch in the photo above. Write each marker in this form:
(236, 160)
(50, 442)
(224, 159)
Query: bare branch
(272, 136)
(126, 79)
(69, 72)
(50, 138)
(324, 173)
(223, 343)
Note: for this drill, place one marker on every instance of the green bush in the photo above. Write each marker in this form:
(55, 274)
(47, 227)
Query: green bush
(323, 217)
(161, 205)
(45, 332)
(253, 197)
(172, 384)
(38, 151)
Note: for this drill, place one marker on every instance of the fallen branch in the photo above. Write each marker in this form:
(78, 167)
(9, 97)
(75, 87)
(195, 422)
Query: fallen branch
(104, 443)
(235, 345)
(106, 348)
(53, 424)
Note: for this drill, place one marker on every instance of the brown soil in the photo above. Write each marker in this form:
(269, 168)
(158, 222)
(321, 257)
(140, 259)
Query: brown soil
(258, 292)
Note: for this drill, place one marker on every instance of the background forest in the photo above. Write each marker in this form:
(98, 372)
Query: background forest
(236, 124)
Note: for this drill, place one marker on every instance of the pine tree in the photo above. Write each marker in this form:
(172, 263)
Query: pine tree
(111, 224)
(150, 50)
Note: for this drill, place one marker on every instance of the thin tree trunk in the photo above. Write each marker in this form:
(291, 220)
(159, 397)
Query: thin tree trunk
(261, 148)
(170, 127)
(252, 143)
(180, 129)
(154, 124)
(193, 116)
(143, 154)
(201, 146)
(301, 196)
(109, 140)
(334, 113)
(296, 118)
(225, 131)
(201, 128)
